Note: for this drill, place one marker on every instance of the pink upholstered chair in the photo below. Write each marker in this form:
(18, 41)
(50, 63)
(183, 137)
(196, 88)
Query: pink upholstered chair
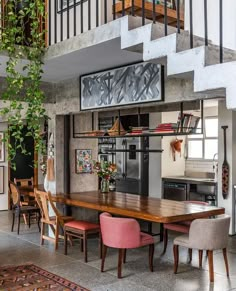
(205, 234)
(182, 227)
(123, 233)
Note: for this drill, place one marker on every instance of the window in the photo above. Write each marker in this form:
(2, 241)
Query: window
(204, 146)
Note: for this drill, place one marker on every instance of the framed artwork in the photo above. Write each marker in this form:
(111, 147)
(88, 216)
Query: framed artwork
(62, 4)
(1, 179)
(2, 147)
(83, 161)
(128, 85)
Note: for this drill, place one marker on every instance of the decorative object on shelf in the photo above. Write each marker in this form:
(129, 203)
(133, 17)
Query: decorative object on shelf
(106, 171)
(2, 147)
(225, 168)
(134, 84)
(1, 179)
(117, 129)
(176, 147)
(83, 161)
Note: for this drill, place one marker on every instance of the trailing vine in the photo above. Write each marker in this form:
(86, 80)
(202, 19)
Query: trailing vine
(23, 97)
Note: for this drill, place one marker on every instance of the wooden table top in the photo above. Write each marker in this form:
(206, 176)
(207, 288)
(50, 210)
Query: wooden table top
(136, 206)
(140, 207)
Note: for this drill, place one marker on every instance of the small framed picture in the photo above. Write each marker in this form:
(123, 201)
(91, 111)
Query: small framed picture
(1, 179)
(83, 161)
(2, 147)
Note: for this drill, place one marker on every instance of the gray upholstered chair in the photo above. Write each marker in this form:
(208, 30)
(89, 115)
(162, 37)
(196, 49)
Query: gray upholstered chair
(205, 234)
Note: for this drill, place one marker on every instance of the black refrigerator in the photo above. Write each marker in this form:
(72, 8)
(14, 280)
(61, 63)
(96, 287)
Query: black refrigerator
(132, 160)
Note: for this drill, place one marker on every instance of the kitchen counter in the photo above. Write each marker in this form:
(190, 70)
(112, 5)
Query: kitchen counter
(190, 188)
(192, 180)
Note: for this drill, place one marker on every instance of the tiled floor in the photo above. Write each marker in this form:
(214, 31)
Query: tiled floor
(25, 248)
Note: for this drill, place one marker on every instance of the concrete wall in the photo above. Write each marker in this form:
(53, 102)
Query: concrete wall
(229, 21)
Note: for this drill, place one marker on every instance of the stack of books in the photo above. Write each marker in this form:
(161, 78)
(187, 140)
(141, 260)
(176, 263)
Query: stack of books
(165, 128)
(138, 130)
(188, 123)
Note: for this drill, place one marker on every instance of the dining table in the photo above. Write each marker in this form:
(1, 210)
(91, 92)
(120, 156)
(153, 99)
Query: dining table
(136, 206)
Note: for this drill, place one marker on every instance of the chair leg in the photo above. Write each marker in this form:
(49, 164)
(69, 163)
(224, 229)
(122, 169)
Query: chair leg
(124, 256)
(104, 252)
(226, 261)
(120, 257)
(65, 242)
(176, 257)
(211, 268)
(190, 251)
(29, 218)
(13, 221)
(39, 217)
(42, 233)
(151, 254)
(81, 245)
(165, 239)
(85, 247)
(25, 219)
(18, 228)
(56, 235)
(200, 252)
(100, 244)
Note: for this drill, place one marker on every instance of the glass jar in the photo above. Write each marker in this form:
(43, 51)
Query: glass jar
(105, 186)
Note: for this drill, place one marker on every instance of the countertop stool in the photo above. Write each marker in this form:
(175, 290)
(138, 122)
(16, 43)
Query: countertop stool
(81, 229)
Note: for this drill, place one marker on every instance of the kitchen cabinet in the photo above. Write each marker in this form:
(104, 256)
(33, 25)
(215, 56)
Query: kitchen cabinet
(186, 188)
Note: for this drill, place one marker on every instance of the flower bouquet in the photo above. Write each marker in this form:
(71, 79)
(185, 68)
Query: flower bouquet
(105, 170)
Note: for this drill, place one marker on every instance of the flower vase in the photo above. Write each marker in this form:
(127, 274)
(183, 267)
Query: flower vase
(105, 186)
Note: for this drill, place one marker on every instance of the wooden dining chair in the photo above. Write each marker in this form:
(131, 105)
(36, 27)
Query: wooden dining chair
(24, 199)
(205, 234)
(18, 209)
(182, 227)
(123, 233)
(54, 222)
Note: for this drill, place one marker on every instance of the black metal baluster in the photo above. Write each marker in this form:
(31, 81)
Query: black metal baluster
(165, 17)
(75, 18)
(49, 22)
(97, 18)
(123, 7)
(61, 20)
(89, 14)
(191, 22)
(81, 17)
(114, 9)
(143, 12)
(205, 22)
(105, 11)
(154, 11)
(68, 20)
(221, 30)
(55, 20)
(132, 8)
(178, 15)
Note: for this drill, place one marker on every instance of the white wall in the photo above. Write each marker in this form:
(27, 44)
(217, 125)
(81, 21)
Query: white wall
(4, 197)
(155, 186)
(229, 21)
(169, 166)
(227, 117)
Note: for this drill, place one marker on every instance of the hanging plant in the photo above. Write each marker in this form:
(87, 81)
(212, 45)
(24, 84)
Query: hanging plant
(23, 38)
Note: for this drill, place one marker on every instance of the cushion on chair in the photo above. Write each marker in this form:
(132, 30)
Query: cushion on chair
(146, 239)
(83, 225)
(177, 227)
(182, 240)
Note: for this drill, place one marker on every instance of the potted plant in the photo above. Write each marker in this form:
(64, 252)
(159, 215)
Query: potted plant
(105, 170)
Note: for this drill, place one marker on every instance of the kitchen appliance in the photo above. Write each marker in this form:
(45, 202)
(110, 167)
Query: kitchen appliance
(132, 160)
(175, 191)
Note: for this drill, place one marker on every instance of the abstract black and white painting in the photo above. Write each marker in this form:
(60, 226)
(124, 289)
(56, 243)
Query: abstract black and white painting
(138, 83)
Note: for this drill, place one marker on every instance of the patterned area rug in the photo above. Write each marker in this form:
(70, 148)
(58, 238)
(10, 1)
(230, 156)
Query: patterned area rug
(31, 277)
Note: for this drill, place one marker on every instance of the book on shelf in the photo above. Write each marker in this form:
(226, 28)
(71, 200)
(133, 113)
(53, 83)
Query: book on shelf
(188, 123)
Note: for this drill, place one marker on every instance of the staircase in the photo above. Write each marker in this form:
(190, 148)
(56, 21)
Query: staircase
(200, 63)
